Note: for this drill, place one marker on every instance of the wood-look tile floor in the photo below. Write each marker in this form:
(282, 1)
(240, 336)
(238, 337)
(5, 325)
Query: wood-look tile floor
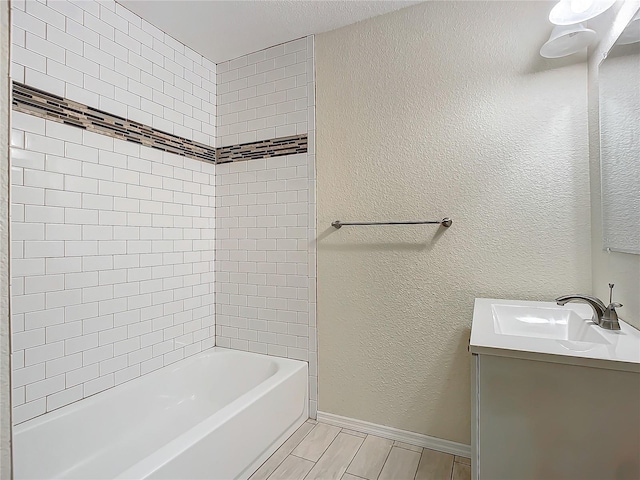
(318, 451)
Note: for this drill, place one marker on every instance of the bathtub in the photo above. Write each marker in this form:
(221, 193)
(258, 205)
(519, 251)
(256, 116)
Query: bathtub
(216, 415)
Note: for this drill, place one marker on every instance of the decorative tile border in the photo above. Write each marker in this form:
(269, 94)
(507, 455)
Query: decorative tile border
(52, 107)
(274, 147)
(42, 104)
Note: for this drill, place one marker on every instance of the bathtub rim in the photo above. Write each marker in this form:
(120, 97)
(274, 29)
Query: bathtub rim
(156, 460)
(285, 368)
(86, 401)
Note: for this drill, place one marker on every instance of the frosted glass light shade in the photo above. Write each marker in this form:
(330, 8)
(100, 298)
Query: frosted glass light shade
(565, 40)
(568, 12)
(631, 33)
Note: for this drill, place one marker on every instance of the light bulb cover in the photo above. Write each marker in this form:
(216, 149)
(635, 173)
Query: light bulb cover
(631, 33)
(566, 40)
(568, 12)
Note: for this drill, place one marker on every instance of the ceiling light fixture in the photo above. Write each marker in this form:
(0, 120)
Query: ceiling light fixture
(568, 12)
(566, 40)
(631, 33)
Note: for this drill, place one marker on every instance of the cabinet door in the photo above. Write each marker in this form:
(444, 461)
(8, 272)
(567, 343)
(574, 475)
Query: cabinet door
(540, 420)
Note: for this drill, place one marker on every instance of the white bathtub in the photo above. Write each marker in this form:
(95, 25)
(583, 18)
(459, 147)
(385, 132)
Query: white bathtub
(216, 415)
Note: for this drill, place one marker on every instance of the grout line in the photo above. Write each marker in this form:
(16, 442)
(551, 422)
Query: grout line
(356, 454)
(325, 451)
(357, 476)
(419, 462)
(405, 448)
(261, 50)
(385, 460)
(286, 456)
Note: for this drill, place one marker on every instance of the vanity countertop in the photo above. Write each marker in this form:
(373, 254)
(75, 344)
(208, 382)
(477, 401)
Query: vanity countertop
(544, 331)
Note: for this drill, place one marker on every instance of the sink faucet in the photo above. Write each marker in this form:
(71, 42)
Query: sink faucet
(604, 317)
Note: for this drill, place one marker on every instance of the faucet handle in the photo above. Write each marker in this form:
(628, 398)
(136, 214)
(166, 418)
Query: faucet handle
(611, 285)
(610, 317)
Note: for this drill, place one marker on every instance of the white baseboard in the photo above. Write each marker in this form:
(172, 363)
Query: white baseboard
(391, 433)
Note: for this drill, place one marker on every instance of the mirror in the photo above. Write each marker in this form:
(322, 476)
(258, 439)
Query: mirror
(619, 89)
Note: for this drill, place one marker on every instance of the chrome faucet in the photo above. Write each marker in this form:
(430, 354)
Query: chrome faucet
(604, 317)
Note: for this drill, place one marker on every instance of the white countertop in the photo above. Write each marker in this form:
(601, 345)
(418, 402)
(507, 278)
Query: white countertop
(619, 350)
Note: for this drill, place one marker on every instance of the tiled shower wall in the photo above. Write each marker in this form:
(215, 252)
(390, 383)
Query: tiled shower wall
(266, 207)
(112, 253)
(265, 215)
(112, 261)
(102, 55)
(266, 94)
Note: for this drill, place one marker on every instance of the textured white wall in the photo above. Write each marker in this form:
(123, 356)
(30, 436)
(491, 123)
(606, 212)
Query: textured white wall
(622, 269)
(457, 116)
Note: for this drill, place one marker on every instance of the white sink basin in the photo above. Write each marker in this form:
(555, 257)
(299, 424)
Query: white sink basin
(544, 322)
(551, 333)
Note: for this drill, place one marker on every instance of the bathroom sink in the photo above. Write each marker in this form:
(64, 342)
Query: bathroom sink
(544, 322)
(549, 332)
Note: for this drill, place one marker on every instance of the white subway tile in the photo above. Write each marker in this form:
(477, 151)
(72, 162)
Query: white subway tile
(64, 40)
(81, 95)
(29, 410)
(27, 58)
(46, 14)
(76, 29)
(43, 353)
(99, 384)
(64, 397)
(82, 375)
(98, 86)
(140, 35)
(46, 48)
(113, 19)
(64, 332)
(28, 22)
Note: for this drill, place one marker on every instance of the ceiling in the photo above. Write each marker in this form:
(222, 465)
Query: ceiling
(223, 30)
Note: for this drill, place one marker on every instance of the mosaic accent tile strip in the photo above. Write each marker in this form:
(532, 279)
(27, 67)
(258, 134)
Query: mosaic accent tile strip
(30, 100)
(274, 147)
(46, 105)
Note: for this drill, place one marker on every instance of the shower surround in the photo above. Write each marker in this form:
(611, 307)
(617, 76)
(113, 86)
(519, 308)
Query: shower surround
(265, 208)
(113, 241)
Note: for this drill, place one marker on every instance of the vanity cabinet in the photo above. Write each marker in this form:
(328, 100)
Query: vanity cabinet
(540, 415)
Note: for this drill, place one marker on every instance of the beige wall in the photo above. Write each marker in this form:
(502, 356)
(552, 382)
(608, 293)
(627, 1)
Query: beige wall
(442, 109)
(622, 269)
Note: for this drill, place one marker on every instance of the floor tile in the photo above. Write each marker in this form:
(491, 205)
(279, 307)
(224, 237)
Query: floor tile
(465, 460)
(371, 457)
(401, 464)
(314, 444)
(353, 432)
(434, 465)
(268, 467)
(348, 476)
(408, 446)
(334, 462)
(293, 468)
(461, 471)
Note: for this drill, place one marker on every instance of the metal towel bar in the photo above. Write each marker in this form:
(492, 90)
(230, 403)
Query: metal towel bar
(445, 222)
